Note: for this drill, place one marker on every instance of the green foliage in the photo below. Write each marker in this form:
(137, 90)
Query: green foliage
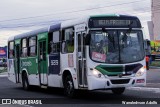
(155, 63)
(3, 69)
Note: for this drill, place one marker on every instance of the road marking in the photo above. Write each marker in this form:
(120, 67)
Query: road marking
(15, 105)
(154, 90)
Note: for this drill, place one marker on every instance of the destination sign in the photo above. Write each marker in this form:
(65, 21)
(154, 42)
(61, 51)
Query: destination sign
(114, 23)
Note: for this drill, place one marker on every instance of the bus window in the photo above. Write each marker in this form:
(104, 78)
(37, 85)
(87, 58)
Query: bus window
(24, 47)
(54, 42)
(68, 43)
(32, 46)
(11, 49)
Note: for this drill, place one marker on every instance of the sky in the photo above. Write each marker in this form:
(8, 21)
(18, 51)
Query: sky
(19, 16)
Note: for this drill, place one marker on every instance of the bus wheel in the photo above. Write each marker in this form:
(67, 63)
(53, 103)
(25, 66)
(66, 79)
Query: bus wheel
(69, 86)
(118, 90)
(25, 82)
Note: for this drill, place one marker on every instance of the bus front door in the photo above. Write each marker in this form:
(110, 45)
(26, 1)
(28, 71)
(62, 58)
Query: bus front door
(81, 65)
(17, 63)
(42, 62)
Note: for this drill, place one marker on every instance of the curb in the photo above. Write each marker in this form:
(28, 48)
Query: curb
(154, 67)
(3, 73)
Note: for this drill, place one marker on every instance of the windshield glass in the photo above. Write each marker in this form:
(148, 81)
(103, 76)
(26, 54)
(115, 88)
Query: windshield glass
(116, 46)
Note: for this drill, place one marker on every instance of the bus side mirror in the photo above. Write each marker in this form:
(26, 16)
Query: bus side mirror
(87, 39)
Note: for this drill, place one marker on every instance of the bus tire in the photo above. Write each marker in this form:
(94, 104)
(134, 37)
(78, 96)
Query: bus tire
(25, 83)
(69, 86)
(118, 90)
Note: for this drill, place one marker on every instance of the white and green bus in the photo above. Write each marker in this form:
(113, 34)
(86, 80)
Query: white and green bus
(93, 53)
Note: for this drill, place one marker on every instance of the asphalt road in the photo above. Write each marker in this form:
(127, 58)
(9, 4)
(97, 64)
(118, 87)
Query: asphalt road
(153, 78)
(85, 99)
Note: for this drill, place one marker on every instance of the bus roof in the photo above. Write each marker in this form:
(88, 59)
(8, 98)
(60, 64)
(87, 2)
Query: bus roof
(36, 32)
(112, 15)
(31, 33)
(74, 22)
(11, 38)
(66, 24)
(105, 15)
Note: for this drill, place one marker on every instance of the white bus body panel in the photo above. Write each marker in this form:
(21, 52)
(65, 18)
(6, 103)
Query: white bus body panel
(101, 83)
(44, 79)
(11, 70)
(54, 80)
(33, 79)
(71, 68)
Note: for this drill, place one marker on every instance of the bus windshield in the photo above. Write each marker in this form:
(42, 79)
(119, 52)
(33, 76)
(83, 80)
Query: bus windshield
(116, 46)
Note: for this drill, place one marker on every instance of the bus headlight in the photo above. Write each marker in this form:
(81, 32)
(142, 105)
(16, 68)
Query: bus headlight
(97, 74)
(140, 72)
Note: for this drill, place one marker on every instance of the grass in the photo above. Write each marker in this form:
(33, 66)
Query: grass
(3, 69)
(155, 63)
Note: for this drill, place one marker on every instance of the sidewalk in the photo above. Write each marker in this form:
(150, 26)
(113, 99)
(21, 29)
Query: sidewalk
(3, 74)
(153, 85)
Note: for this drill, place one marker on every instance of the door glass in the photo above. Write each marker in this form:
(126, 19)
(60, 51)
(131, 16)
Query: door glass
(84, 50)
(44, 50)
(79, 43)
(41, 50)
(82, 61)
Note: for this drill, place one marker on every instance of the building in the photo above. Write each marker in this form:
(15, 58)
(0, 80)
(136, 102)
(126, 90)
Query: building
(3, 56)
(150, 28)
(155, 8)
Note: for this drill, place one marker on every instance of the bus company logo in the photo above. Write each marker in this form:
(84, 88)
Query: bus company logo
(27, 63)
(54, 62)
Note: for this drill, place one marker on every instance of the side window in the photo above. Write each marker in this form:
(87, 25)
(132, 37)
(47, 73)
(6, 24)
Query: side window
(32, 46)
(24, 48)
(54, 45)
(11, 49)
(68, 41)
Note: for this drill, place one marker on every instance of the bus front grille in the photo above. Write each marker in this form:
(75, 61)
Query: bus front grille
(122, 81)
(110, 75)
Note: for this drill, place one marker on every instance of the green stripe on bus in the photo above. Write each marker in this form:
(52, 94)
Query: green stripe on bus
(18, 41)
(105, 15)
(42, 36)
(109, 69)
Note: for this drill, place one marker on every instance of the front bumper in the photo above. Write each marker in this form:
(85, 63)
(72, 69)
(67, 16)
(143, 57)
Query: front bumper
(95, 83)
